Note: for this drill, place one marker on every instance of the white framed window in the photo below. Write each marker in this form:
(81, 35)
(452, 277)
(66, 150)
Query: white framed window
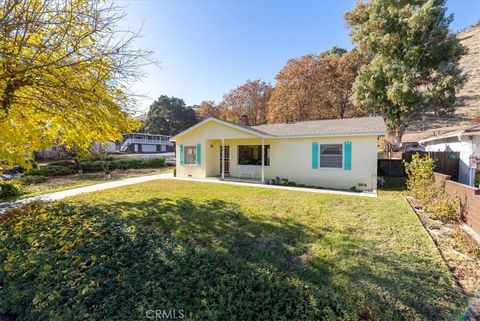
(330, 156)
(190, 155)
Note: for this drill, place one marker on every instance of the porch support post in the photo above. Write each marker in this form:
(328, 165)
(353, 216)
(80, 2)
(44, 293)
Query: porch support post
(222, 163)
(263, 160)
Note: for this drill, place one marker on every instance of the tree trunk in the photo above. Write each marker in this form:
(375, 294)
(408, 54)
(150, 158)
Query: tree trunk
(7, 97)
(105, 168)
(395, 137)
(78, 164)
(342, 106)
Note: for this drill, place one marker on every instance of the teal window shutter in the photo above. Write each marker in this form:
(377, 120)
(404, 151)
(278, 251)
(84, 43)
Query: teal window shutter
(314, 155)
(199, 154)
(181, 154)
(347, 160)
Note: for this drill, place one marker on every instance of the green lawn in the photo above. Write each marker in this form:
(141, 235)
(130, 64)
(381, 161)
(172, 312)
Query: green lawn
(222, 252)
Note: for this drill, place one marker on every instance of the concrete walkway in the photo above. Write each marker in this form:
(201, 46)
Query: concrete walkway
(140, 179)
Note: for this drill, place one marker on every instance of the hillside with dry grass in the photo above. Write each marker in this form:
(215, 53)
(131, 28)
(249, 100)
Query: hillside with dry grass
(468, 100)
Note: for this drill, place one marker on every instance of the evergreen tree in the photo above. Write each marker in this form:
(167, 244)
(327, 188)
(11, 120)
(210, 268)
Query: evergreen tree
(414, 65)
(169, 116)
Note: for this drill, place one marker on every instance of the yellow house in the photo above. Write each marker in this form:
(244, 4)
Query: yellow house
(333, 153)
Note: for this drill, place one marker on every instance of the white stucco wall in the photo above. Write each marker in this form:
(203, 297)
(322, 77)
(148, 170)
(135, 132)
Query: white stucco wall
(290, 158)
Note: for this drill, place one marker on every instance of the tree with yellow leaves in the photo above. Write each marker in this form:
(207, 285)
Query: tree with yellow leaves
(64, 71)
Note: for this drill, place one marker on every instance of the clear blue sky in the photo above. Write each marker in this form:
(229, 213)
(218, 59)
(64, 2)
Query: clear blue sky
(206, 48)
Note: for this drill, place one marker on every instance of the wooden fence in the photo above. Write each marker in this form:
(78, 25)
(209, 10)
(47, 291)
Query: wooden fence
(469, 198)
(392, 164)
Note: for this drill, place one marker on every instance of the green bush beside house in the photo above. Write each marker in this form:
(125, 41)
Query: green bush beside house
(430, 194)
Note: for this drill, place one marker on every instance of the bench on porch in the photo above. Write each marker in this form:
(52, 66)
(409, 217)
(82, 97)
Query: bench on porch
(250, 170)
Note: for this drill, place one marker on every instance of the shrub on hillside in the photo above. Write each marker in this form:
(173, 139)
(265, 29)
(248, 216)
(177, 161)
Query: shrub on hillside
(10, 189)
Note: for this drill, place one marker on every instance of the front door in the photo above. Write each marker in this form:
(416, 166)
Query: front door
(226, 160)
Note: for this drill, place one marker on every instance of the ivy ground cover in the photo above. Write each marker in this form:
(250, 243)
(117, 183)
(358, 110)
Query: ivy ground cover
(205, 251)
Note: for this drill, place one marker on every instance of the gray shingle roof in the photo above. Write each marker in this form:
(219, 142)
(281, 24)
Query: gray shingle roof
(326, 127)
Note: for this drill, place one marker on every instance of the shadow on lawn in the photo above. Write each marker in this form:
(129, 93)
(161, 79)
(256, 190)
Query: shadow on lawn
(207, 259)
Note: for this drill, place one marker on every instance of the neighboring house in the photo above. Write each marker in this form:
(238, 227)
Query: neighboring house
(337, 153)
(467, 142)
(146, 143)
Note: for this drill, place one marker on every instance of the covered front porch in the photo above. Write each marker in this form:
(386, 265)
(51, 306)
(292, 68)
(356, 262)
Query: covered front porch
(242, 160)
